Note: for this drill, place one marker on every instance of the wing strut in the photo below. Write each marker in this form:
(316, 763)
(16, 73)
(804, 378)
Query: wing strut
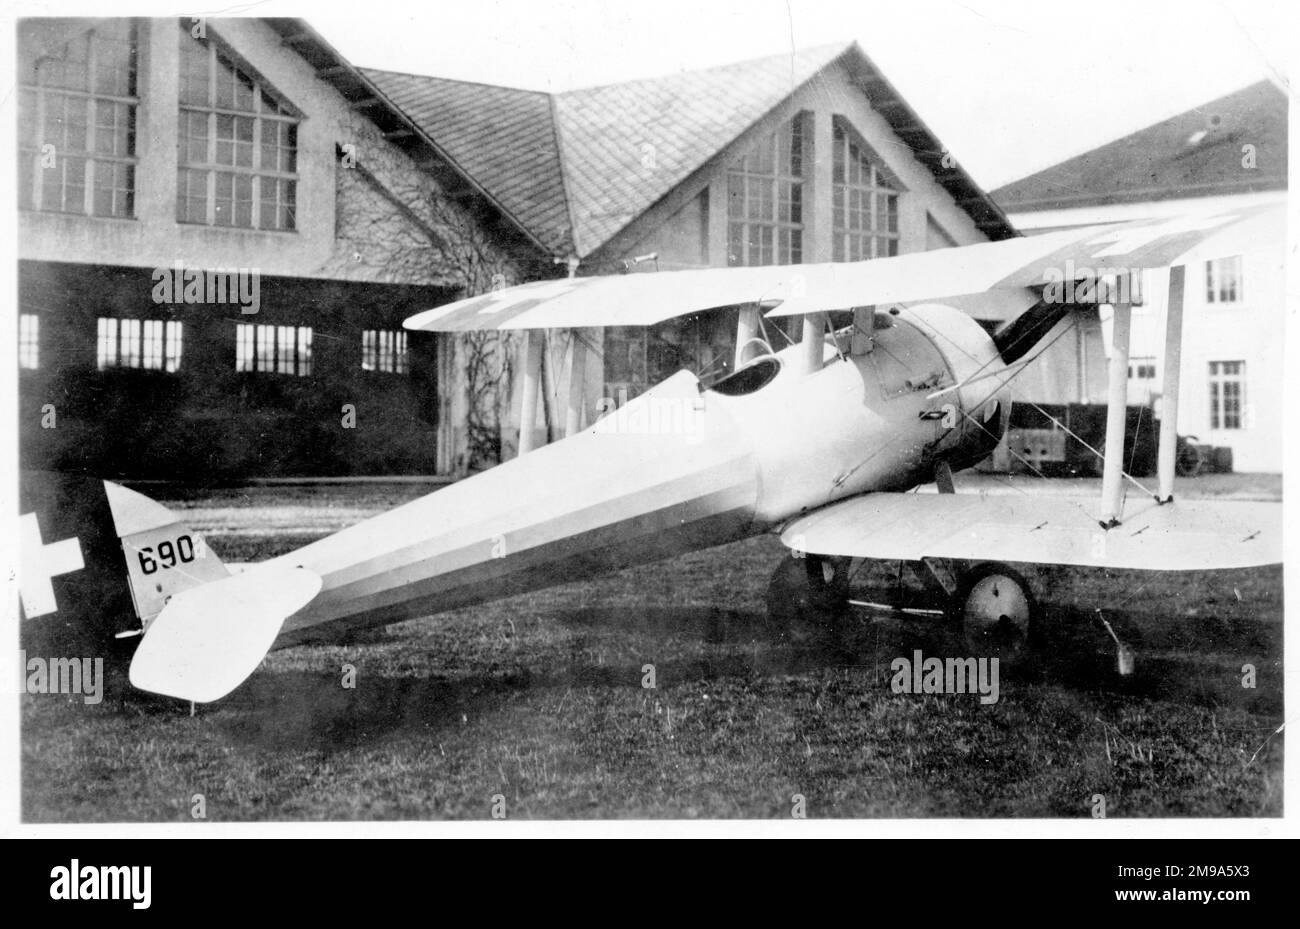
(746, 333)
(577, 381)
(1112, 475)
(1169, 398)
(534, 345)
(943, 477)
(814, 342)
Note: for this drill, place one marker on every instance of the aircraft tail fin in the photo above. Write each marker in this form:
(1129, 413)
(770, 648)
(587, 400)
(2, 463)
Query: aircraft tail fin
(106, 571)
(164, 557)
(99, 561)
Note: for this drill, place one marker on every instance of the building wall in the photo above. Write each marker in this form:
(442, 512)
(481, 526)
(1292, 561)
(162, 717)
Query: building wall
(375, 217)
(672, 227)
(154, 237)
(208, 421)
(688, 228)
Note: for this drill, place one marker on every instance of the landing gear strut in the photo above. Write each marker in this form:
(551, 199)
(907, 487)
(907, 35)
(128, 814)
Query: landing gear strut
(991, 605)
(807, 597)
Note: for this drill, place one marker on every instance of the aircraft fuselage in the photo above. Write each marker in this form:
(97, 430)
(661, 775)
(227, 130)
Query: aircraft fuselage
(677, 469)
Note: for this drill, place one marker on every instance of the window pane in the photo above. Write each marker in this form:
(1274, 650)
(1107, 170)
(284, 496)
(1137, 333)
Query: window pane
(195, 67)
(115, 59)
(74, 186)
(129, 343)
(284, 349)
(865, 212)
(173, 349)
(106, 353)
(765, 200)
(224, 199)
(191, 193)
(368, 350)
(77, 115)
(304, 350)
(265, 348)
(243, 347)
(221, 128)
(151, 352)
(288, 209)
(103, 204)
(29, 332)
(92, 137)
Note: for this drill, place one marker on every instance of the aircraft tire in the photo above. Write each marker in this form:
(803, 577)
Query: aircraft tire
(996, 612)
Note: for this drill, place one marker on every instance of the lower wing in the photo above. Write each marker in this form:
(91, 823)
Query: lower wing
(1185, 535)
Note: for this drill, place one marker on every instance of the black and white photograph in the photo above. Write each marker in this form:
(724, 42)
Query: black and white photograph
(814, 413)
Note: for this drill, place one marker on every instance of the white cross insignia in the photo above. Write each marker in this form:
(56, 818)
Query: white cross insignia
(40, 563)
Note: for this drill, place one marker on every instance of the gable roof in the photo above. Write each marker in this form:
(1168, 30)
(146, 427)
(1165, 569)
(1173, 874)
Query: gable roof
(395, 125)
(1196, 153)
(504, 137)
(579, 184)
(609, 133)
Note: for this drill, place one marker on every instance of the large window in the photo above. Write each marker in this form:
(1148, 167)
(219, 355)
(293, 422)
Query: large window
(384, 350)
(139, 343)
(1223, 280)
(77, 110)
(273, 349)
(29, 341)
(238, 145)
(765, 200)
(865, 207)
(1227, 393)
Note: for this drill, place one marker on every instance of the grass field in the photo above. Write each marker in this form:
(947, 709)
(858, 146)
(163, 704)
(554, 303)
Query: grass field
(537, 702)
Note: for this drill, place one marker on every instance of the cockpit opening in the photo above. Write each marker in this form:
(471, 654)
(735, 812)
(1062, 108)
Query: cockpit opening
(749, 379)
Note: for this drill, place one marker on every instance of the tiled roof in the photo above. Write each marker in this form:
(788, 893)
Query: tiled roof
(1197, 153)
(576, 168)
(505, 138)
(627, 145)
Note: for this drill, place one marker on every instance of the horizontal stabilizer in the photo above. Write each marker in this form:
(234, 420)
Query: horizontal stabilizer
(208, 639)
(1185, 535)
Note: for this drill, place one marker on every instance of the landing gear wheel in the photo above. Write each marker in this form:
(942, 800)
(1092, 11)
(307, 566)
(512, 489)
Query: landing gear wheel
(807, 598)
(996, 611)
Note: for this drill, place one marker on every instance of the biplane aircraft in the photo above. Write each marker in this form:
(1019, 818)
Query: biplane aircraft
(823, 442)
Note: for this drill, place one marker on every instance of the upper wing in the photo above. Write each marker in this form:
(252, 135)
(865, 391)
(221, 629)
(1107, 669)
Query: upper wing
(1182, 536)
(1012, 269)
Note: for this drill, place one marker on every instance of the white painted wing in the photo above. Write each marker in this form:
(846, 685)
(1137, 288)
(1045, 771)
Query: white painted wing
(1012, 268)
(1185, 535)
